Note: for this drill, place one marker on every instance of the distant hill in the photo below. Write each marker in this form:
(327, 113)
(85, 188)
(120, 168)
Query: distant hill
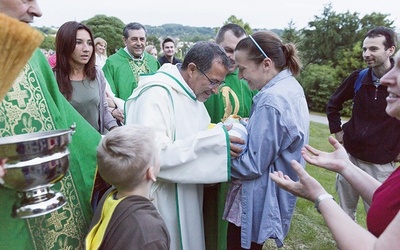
(187, 33)
(179, 32)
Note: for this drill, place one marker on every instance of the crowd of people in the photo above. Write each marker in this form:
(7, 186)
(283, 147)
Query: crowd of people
(148, 171)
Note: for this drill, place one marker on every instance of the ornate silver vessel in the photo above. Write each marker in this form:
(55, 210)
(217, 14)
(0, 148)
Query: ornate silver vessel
(36, 161)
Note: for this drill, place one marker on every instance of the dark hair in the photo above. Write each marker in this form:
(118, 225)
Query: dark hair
(389, 34)
(133, 26)
(65, 46)
(203, 54)
(283, 55)
(167, 40)
(236, 29)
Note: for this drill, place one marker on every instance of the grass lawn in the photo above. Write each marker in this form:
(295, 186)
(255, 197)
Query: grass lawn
(308, 229)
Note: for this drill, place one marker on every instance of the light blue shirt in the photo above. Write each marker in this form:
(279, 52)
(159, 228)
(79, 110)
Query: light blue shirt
(277, 130)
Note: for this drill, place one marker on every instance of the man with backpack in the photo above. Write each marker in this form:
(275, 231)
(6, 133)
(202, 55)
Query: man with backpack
(371, 137)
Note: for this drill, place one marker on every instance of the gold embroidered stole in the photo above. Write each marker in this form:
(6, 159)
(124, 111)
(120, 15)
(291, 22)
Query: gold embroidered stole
(139, 67)
(26, 109)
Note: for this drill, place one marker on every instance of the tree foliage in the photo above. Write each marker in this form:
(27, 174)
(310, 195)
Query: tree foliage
(154, 40)
(49, 43)
(351, 59)
(181, 32)
(319, 82)
(290, 34)
(327, 35)
(47, 30)
(375, 19)
(109, 28)
(240, 22)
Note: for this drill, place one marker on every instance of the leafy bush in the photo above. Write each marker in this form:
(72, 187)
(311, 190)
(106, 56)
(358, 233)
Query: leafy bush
(319, 83)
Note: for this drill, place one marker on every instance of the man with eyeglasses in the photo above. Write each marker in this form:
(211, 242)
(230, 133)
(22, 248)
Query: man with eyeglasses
(171, 102)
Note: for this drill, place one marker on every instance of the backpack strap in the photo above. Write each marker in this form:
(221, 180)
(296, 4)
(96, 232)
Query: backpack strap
(360, 77)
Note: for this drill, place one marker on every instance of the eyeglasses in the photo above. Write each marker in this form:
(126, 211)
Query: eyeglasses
(212, 84)
(258, 47)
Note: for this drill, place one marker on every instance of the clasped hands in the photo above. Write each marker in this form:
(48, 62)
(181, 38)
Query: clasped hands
(235, 150)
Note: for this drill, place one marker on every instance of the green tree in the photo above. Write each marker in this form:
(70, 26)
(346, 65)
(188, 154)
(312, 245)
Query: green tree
(245, 26)
(49, 43)
(47, 30)
(181, 33)
(319, 82)
(290, 34)
(373, 20)
(109, 28)
(327, 35)
(152, 39)
(351, 60)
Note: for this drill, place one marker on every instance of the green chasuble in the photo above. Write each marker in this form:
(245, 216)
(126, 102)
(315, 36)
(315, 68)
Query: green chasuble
(35, 104)
(235, 97)
(122, 72)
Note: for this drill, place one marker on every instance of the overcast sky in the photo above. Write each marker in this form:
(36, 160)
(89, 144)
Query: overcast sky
(267, 14)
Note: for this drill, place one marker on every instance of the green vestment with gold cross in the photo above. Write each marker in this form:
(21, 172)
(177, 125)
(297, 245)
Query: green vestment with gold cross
(122, 71)
(35, 104)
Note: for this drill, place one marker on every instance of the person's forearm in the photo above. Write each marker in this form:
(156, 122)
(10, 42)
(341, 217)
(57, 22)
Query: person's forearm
(361, 181)
(347, 233)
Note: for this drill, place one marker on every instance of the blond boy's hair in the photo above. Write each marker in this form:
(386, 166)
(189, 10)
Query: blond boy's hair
(124, 155)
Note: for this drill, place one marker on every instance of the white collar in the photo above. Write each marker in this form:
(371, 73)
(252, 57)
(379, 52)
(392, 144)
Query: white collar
(133, 58)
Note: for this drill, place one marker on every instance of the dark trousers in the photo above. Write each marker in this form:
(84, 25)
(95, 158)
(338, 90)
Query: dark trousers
(233, 239)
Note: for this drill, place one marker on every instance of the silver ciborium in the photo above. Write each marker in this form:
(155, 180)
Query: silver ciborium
(36, 161)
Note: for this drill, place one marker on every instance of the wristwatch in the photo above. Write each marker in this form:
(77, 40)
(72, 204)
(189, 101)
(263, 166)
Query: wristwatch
(321, 198)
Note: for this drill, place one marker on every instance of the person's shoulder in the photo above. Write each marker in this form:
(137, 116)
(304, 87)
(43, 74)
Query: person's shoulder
(38, 55)
(150, 58)
(177, 60)
(140, 209)
(232, 78)
(120, 54)
(162, 59)
(99, 73)
(152, 62)
(354, 74)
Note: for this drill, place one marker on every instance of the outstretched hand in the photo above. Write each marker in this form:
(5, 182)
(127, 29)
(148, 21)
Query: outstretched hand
(335, 161)
(307, 187)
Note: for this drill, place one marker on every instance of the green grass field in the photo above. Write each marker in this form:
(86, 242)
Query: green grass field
(308, 229)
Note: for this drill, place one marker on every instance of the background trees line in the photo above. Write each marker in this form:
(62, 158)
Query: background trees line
(330, 46)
